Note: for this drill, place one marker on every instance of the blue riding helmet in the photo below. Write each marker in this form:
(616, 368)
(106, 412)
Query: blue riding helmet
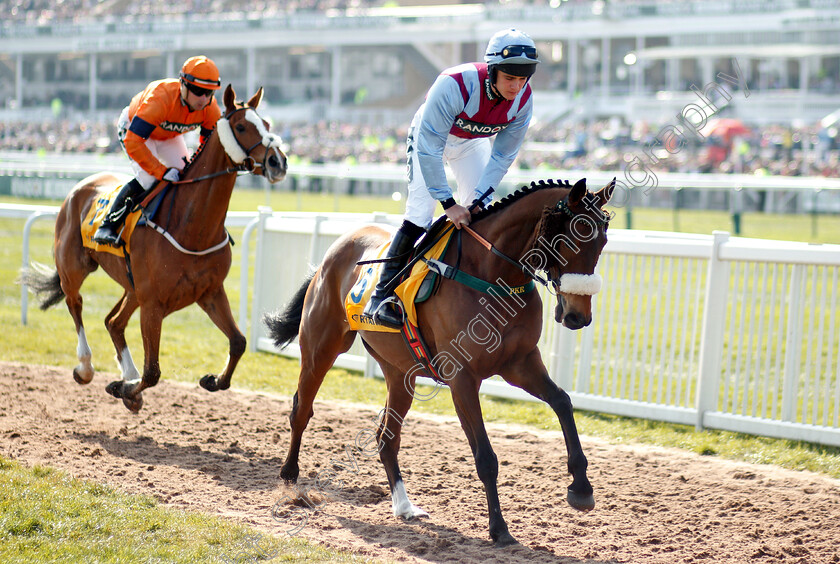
(512, 52)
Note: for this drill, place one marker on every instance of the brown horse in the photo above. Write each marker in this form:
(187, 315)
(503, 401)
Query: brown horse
(186, 264)
(549, 227)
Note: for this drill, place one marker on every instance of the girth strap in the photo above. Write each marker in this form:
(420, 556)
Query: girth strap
(419, 349)
(477, 283)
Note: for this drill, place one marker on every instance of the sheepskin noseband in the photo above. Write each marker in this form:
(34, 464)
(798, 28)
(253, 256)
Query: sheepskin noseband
(580, 284)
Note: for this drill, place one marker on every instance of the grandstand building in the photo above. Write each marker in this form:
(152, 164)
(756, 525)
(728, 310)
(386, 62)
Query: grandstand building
(640, 59)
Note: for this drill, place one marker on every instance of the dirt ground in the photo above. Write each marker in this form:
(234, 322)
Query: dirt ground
(221, 454)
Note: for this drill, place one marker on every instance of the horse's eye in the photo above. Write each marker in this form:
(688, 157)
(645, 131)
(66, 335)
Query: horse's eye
(240, 128)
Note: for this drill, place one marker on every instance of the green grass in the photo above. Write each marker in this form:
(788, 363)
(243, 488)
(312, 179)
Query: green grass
(46, 516)
(49, 339)
(782, 227)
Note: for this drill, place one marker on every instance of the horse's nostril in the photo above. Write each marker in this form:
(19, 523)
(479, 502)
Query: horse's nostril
(575, 321)
(273, 161)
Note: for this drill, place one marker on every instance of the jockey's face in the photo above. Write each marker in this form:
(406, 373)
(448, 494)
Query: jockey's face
(509, 85)
(194, 101)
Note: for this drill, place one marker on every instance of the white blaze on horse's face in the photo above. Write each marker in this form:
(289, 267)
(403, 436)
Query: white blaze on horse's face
(269, 140)
(272, 144)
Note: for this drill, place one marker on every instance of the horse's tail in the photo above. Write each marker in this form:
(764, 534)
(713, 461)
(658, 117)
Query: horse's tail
(284, 327)
(42, 280)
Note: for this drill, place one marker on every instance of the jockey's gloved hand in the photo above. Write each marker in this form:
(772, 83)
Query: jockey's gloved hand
(172, 175)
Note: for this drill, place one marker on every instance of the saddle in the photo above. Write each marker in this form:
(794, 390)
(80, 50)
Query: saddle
(418, 286)
(102, 207)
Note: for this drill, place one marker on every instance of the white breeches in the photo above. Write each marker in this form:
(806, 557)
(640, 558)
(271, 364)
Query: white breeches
(170, 152)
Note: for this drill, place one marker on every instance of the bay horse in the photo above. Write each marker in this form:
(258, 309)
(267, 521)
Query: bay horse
(547, 226)
(186, 264)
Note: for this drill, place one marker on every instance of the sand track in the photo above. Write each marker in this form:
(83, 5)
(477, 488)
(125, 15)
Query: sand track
(221, 453)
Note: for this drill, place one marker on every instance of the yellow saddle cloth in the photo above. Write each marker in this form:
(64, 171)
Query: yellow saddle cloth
(98, 211)
(359, 294)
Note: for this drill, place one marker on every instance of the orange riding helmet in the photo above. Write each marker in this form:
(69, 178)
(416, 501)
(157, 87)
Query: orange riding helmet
(201, 72)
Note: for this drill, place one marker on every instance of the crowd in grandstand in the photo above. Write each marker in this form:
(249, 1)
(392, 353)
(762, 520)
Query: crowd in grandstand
(59, 136)
(39, 12)
(599, 145)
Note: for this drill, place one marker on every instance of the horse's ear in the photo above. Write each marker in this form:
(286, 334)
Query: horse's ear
(229, 97)
(256, 98)
(603, 195)
(578, 192)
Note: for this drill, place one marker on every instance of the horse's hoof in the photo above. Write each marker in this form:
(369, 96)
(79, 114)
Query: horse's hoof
(289, 476)
(505, 539)
(581, 502)
(115, 388)
(134, 404)
(81, 379)
(409, 511)
(209, 382)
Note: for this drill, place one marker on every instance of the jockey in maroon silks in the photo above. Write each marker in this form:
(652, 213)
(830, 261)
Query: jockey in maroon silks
(465, 107)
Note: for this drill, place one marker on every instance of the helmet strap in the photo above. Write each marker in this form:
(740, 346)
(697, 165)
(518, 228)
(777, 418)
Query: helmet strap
(183, 86)
(490, 86)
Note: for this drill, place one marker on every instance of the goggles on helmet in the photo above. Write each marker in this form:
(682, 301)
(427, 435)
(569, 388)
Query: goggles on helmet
(516, 51)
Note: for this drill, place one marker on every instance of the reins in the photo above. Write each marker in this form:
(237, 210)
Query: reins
(161, 185)
(528, 271)
(454, 272)
(242, 167)
(561, 206)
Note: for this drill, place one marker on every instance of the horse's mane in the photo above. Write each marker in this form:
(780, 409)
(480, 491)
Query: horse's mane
(518, 195)
(200, 149)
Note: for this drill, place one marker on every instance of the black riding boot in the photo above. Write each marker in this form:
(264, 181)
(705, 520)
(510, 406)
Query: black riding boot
(107, 233)
(387, 313)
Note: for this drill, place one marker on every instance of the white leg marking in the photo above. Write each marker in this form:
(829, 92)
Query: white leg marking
(128, 371)
(402, 505)
(83, 353)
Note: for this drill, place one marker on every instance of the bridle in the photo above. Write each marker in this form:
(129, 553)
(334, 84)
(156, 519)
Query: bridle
(573, 283)
(241, 155)
(246, 164)
(584, 284)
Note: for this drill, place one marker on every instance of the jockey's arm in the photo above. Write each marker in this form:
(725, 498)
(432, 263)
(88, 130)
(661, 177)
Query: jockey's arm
(443, 104)
(212, 113)
(135, 145)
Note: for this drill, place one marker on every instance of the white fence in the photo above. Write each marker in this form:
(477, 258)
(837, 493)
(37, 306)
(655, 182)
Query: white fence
(712, 331)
